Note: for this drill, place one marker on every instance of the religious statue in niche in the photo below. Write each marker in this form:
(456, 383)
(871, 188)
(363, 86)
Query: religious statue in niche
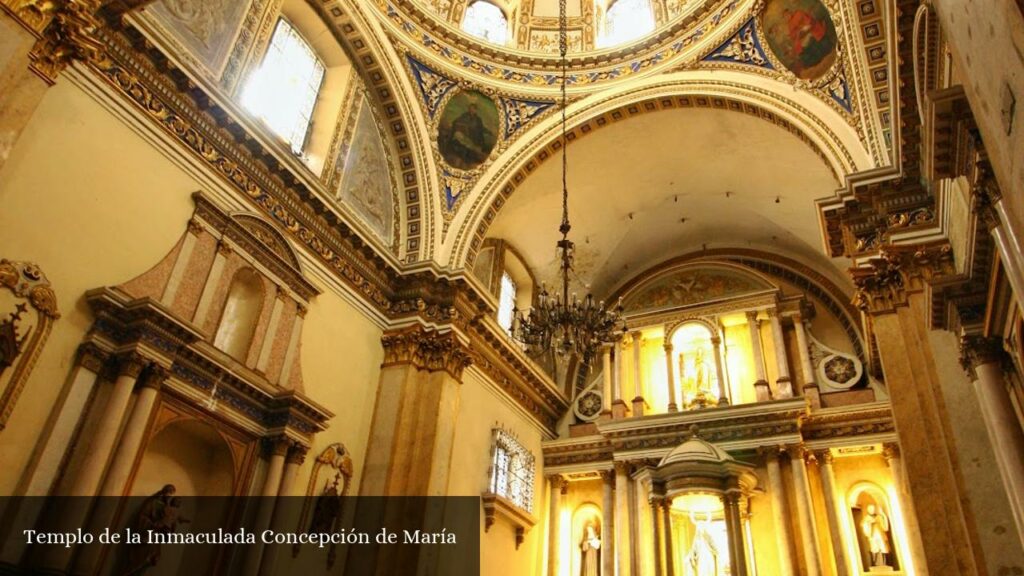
(702, 559)
(330, 480)
(697, 376)
(590, 549)
(468, 130)
(874, 534)
(802, 36)
(160, 512)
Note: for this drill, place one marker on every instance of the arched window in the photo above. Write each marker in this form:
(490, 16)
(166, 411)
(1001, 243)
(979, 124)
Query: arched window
(241, 313)
(487, 21)
(506, 302)
(284, 90)
(626, 20)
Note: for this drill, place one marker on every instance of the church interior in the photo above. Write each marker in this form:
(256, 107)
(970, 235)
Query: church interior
(672, 287)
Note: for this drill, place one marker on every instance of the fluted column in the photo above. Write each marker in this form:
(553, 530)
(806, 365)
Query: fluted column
(655, 502)
(606, 379)
(764, 393)
(670, 371)
(891, 453)
(670, 557)
(983, 359)
(833, 509)
(608, 523)
(558, 487)
(805, 511)
(811, 390)
(780, 512)
(623, 552)
(784, 385)
(723, 396)
(734, 529)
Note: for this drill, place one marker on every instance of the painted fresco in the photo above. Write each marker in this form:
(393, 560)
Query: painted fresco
(802, 36)
(206, 28)
(692, 286)
(468, 130)
(366, 184)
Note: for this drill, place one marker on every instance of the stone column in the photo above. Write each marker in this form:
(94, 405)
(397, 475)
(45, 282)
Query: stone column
(670, 557)
(655, 502)
(623, 551)
(88, 478)
(608, 523)
(638, 374)
(278, 448)
(891, 453)
(988, 203)
(784, 385)
(805, 511)
(559, 487)
(983, 358)
(723, 396)
(131, 438)
(891, 291)
(764, 392)
(670, 372)
(780, 512)
(834, 510)
(811, 390)
(734, 529)
(606, 380)
(294, 458)
(619, 407)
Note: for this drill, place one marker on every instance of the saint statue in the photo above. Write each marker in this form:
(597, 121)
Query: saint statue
(160, 512)
(697, 385)
(702, 559)
(590, 551)
(875, 527)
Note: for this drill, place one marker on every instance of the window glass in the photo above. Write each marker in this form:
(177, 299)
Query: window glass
(283, 91)
(512, 471)
(626, 20)
(506, 302)
(487, 21)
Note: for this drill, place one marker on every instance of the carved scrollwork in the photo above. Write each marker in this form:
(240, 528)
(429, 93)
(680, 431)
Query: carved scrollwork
(427, 349)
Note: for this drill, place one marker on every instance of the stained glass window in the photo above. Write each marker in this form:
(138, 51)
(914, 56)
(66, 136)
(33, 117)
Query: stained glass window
(283, 91)
(627, 20)
(506, 302)
(487, 21)
(512, 470)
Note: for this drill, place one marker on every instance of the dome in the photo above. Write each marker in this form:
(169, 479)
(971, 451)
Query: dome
(696, 450)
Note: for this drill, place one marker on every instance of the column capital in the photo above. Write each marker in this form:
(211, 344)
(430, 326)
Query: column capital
(824, 457)
(773, 312)
(668, 347)
(752, 316)
(195, 227)
(890, 450)
(980, 350)
(796, 451)
(297, 453)
(731, 498)
(92, 357)
(154, 377)
(223, 248)
(985, 194)
(623, 467)
(769, 452)
(278, 445)
(427, 349)
(716, 340)
(885, 282)
(608, 476)
(131, 364)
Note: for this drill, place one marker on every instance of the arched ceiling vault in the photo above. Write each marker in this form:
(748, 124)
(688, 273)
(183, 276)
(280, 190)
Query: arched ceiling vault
(717, 133)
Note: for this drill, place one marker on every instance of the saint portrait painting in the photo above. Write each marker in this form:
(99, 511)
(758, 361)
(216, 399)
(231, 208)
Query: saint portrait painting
(468, 130)
(802, 36)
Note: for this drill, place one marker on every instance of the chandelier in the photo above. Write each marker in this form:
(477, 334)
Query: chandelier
(560, 323)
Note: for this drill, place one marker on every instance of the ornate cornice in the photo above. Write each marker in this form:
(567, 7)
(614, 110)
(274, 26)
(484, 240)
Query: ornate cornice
(884, 283)
(977, 351)
(426, 349)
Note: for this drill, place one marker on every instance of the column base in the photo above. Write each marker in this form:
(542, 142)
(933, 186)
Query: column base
(619, 409)
(764, 393)
(605, 415)
(785, 387)
(673, 407)
(813, 395)
(639, 406)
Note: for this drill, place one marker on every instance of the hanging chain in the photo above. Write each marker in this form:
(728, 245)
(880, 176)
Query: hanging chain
(563, 50)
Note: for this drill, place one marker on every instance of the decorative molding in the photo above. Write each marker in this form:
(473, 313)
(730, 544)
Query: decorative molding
(426, 349)
(496, 506)
(977, 351)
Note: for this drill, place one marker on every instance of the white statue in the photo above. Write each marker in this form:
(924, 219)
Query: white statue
(590, 551)
(875, 527)
(702, 559)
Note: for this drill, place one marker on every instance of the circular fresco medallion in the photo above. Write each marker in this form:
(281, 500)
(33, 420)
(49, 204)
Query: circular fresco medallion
(802, 36)
(468, 130)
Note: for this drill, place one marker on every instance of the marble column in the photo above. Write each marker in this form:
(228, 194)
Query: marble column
(281, 519)
(734, 530)
(671, 377)
(558, 488)
(992, 212)
(656, 548)
(623, 551)
(608, 523)
(670, 557)
(810, 390)
(780, 512)
(638, 374)
(835, 510)
(619, 407)
(723, 396)
(805, 511)
(278, 448)
(764, 392)
(983, 358)
(134, 431)
(91, 471)
(891, 453)
(784, 384)
(606, 380)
